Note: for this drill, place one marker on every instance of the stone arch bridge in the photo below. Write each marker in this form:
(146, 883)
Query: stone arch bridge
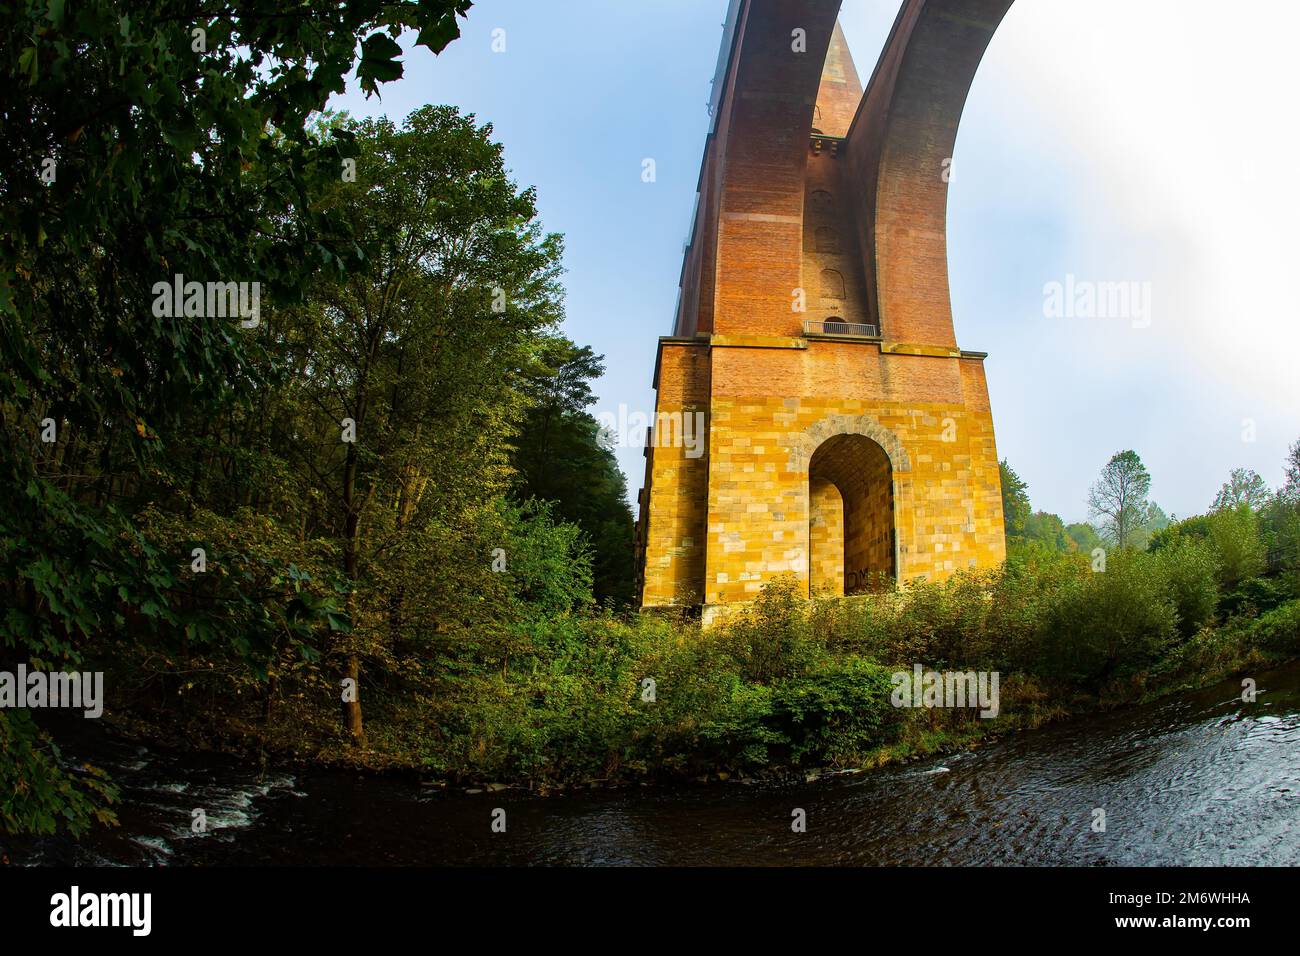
(850, 439)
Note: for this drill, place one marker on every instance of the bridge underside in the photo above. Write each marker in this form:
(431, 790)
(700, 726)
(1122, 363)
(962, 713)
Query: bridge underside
(814, 315)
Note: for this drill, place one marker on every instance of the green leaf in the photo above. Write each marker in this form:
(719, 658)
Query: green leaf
(378, 63)
(28, 63)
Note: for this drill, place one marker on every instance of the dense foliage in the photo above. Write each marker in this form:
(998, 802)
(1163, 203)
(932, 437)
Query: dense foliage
(791, 685)
(335, 497)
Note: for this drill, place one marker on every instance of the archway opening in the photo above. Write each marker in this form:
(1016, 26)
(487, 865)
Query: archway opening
(851, 526)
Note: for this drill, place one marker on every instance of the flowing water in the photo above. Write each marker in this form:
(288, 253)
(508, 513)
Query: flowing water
(1200, 778)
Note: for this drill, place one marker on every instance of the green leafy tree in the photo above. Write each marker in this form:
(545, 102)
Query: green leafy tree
(1048, 530)
(145, 141)
(1156, 521)
(1235, 536)
(1290, 490)
(418, 367)
(1083, 537)
(562, 457)
(1118, 500)
(1015, 501)
(1243, 487)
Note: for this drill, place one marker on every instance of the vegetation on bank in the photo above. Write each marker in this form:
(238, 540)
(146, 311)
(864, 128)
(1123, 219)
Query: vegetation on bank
(792, 685)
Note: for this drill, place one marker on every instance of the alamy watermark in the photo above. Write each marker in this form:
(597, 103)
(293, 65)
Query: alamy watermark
(219, 300)
(1084, 299)
(923, 688)
(37, 689)
(627, 429)
(130, 910)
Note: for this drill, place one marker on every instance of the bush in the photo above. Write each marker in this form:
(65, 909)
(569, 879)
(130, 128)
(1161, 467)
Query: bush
(706, 715)
(773, 638)
(1255, 596)
(942, 625)
(862, 624)
(1235, 537)
(1281, 521)
(1191, 571)
(833, 714)
(1111, 623)
(1021, 606)
(39, 791)
(1279, 630)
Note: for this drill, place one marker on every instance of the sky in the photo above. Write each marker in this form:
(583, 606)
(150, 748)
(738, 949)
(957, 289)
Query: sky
(1142, 142)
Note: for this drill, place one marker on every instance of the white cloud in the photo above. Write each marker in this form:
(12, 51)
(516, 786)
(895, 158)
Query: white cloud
(1119, 140)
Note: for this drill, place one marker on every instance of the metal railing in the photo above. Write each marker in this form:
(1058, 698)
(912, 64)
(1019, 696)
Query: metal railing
(839, 327)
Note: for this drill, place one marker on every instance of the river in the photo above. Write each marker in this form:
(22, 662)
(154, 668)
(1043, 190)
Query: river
(1198, 778)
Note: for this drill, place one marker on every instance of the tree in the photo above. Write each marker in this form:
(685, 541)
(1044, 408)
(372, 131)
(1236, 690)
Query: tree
(1156, 521)
(1243, 487)
(1047, 529)
(426, 356)
(141, 145)
(1083, 537)
(1015, 501)
(1118, 500)
(1290, 490)
(561, 457)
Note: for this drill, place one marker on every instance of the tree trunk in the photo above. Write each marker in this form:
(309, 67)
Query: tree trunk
(352, 708)
(352, 669)
(268, 698)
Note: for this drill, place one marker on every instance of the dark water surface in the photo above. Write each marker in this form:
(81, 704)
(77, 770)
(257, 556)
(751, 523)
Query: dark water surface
(1197, 779)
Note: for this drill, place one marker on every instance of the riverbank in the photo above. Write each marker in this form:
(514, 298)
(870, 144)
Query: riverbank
(1196, 778)
(789, 691)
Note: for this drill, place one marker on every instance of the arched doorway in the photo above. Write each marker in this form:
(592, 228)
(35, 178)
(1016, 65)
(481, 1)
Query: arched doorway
(850, 516)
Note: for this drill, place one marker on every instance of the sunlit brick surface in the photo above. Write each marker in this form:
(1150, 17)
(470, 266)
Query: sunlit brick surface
(849, 224)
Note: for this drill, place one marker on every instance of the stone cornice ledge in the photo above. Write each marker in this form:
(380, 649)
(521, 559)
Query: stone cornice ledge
(757, 342)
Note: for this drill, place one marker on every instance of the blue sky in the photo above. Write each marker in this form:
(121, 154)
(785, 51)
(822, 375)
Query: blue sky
(1106, 140)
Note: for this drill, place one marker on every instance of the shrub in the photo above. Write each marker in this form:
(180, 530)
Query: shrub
(774, 637)
(1022, 603)
(706, 714)
(1191, 570)
(1112, 622)
(1197, 526)
(833, 714)
(1256, 596)
(863, 624)
(1282, 530)
(941, 625)
(1235, 537)
(65, 797)
(1211, 652)
(1279, 630)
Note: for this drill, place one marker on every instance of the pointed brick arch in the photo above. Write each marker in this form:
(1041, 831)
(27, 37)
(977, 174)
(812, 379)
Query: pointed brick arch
(751, 207)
